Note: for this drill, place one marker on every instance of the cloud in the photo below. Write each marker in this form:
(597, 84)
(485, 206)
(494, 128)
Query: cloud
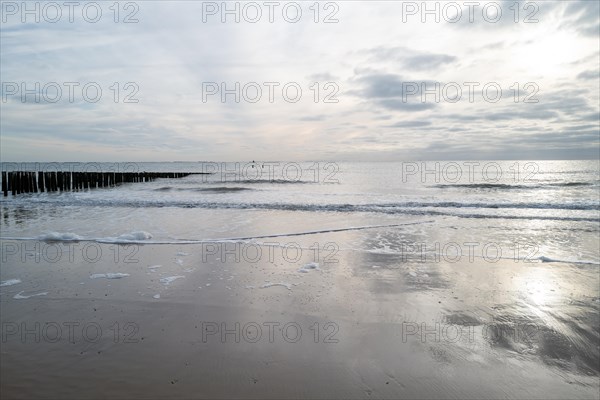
(313, 118)
(528, 115)
(589, 75)
(410, 124)
(410, 59)
(390, 91)
(398, 104)
(584, 16)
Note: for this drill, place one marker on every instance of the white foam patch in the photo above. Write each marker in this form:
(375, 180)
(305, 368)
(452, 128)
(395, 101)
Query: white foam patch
(156, 296)
(143, 237)
(182, 254)
(137, 235)
(10, 282)
(308, 267)
(288, 286)
(167, 280)
(18, 296)
(109, 275)
(126, 238)
(59, 237)
(179, 261)
(154, 266)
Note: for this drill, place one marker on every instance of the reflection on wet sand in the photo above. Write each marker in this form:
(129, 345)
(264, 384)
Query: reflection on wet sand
(546, 313)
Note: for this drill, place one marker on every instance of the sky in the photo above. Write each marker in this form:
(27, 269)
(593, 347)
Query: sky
(341, 80)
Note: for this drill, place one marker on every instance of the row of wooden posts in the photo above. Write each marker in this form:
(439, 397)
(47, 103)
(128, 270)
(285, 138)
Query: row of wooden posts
(18, 182)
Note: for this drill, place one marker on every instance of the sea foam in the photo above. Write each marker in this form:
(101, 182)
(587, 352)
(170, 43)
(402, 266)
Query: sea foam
(10, 282)
(288, 286)
(308, 267)
(170, 279)
(137, 235)
(109, 275)
(18, 296)
(59, 237)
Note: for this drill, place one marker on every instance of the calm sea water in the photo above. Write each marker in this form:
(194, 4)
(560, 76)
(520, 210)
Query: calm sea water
(551, 206)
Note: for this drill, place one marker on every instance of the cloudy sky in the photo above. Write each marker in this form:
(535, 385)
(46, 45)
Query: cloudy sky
(377, 83)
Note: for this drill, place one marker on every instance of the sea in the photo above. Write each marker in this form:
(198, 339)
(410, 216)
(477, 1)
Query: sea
(543, 211)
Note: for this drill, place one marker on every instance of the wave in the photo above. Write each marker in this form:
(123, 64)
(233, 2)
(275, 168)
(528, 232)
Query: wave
(276, 181)
(454, 204)
(142, 237)
(403, 208)
(220, 189)
(545, 259)
(133, 237)
(512, 187)
(393, 208)
(245, 181)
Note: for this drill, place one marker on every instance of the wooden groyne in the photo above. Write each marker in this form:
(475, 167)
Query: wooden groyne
(17, 182)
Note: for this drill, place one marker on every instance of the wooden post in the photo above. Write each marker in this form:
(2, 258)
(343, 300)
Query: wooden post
(13, 184)
(59, 179)
(41, 181)
(34, 182)
(4, 184)
(53, 181)
(26, 182)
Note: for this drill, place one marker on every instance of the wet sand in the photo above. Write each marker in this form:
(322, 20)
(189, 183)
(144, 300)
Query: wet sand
(371, 325)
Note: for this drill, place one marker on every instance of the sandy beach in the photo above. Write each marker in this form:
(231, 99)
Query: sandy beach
(178, 321)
